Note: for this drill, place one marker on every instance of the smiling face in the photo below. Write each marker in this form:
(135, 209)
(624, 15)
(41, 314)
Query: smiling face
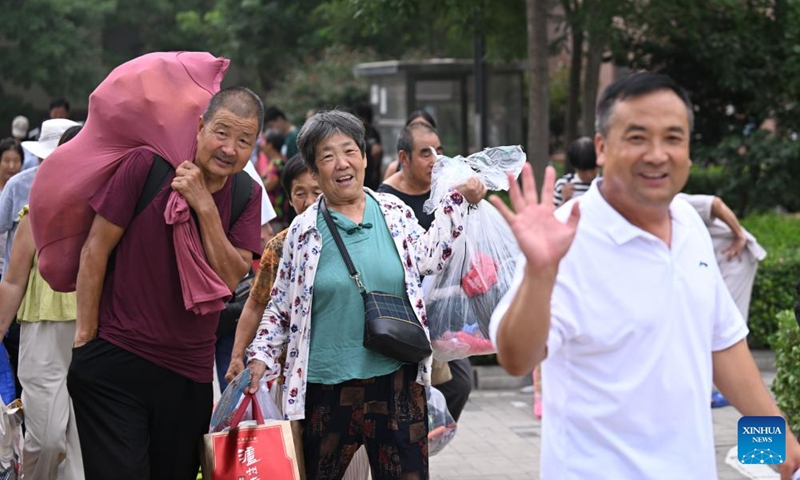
(645, 154)
(341, 165)
(224, 143)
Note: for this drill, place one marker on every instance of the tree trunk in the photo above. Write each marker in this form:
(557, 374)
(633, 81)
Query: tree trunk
(576, 31)
(538, 89)
(574, 94)
(594, 60)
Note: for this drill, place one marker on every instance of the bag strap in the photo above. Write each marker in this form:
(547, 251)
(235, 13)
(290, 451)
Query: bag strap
(323, 207)
(241, 192)
(249, 399)
(156, 176)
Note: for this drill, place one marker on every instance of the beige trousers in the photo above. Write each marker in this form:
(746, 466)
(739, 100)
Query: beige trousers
(51, 450)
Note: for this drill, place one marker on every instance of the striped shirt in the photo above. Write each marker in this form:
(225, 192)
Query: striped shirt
(580, 188)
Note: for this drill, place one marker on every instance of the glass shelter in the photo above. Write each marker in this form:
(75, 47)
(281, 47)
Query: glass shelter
(445, 88)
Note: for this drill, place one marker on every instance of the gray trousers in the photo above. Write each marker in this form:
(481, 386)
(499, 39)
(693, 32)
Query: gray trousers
(51, 450)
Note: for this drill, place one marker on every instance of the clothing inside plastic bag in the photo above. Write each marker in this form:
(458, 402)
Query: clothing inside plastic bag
(441, 426)
(460, 300)
(233, 396)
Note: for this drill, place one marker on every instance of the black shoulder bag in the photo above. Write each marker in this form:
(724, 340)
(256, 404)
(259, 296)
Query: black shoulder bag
(391, 327)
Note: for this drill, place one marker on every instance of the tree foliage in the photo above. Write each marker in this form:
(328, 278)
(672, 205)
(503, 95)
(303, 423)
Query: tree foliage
(729, 55)
(322, 81)
(54, 44)
(738, 61)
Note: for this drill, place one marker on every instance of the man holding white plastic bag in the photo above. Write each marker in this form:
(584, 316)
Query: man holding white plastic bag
(460, 300)
(417, 147)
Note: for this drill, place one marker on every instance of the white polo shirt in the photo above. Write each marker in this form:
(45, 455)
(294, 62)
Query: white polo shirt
(627, 379)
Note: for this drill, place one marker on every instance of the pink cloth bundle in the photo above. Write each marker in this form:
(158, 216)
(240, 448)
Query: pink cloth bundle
(154, 101)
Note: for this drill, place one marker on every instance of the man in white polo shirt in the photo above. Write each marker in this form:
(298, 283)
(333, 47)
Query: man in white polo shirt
(622, 299)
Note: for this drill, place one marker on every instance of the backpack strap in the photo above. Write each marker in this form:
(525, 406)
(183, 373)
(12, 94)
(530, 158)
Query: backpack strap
(159, 171)
(156, 176)
(241, 192)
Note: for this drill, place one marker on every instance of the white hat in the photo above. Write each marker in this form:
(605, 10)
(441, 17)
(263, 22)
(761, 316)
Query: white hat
(19, 127)
(48, 139)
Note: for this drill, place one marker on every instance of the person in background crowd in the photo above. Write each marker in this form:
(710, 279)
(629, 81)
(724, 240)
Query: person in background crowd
(59, 108)
(619, 294)
(19, 128)
(374, 147)
(417, 147)
(10, 165)
(737, 253)
(47, 327)
(272, 164)
(142, 367)
(330, 377)
(275, 119)
(582, 158)
(417, 116)
(19, 131)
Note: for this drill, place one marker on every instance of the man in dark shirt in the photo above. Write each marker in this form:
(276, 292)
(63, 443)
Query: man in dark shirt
(142, 366)
(417, 148)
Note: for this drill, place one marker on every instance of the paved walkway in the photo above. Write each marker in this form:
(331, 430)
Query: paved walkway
(498, 438)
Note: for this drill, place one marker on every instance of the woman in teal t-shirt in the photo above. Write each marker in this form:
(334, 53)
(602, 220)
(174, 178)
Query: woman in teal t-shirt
(344, 394)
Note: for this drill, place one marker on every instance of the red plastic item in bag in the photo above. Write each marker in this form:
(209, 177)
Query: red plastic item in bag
(481, 276)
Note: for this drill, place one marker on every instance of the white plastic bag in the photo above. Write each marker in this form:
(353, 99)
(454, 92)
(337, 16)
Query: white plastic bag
(11, 417)
(460, 300)
(441, 426)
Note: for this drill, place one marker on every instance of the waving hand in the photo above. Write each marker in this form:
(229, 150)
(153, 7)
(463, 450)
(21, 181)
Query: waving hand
(543, 239)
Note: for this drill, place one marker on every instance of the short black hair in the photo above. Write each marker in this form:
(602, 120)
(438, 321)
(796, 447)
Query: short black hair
(633, 86)
(363, 110)
(420, 114)
(292, 169)
(69, 134)
(581, 154)
(11, 144)
(405, 140)
(59, 102)
(273, 113)
(274, 138)
(324, 124)
(241, 101)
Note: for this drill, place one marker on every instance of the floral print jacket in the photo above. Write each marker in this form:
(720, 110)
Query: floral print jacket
(286, 323)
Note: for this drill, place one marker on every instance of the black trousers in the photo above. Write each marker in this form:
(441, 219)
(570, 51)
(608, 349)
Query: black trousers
(456, 391)
(136, 420)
